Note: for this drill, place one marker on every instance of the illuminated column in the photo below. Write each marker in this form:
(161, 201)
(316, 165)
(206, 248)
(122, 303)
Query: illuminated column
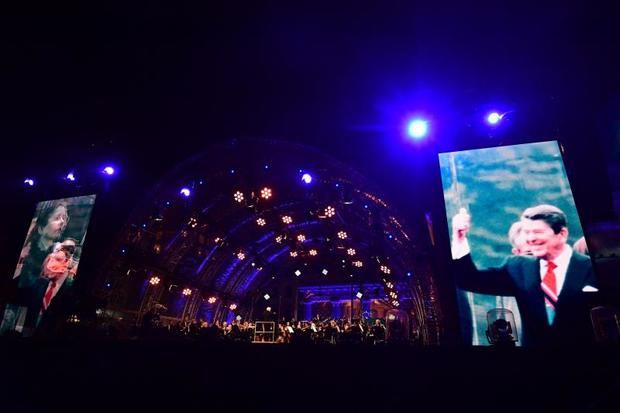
(345, 305)
(336, 310)
(366, 307)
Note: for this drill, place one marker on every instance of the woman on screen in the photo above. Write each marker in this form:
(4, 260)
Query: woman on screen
(47, 229)
(32, 278)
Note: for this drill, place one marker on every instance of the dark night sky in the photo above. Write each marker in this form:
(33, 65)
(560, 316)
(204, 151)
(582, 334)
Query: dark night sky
(150, 84)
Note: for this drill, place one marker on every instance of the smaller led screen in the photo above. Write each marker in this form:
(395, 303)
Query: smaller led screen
(48, 262)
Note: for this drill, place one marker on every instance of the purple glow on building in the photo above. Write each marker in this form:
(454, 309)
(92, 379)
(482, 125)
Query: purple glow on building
(304, 224)
(221, 281)
(207, 258)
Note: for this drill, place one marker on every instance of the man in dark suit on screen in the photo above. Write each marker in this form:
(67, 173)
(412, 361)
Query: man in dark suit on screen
(550, 285)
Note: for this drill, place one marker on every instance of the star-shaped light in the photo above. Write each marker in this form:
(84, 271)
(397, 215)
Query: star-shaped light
(265, 193)
(238, 196)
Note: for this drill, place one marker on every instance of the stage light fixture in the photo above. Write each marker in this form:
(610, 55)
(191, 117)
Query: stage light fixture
(313, 252)
(330, 212)
(358, 264)
(359, 295)
(417, 128)
(297, 273)
(342, 235)
(238, 196)
(241, 256)
(212, 300)
(307, 178)
(29, 181)
(266, 296)
(187, 292)
(385, 269)
(287, 219)
(185, 192)
(351, 251)
(233, 307)
(70, 177)
(494, 118)
(301, 237)
(324, 271)
(279, 239)
(293, 253)
(108, 170)
(265, 193)
(154, 280)
(261, 222)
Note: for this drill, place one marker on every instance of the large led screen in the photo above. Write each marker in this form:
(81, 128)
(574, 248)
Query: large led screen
(519, 257)
(48, 262)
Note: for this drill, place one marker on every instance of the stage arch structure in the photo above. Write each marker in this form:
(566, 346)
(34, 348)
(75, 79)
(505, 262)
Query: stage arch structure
(253, 236)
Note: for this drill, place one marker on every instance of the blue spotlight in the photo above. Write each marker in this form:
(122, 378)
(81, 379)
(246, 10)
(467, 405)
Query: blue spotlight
(29, 181)
(108, 170)
(417, 129)
(70, 177)
(307, 178)
(185, 192)
(494, 118)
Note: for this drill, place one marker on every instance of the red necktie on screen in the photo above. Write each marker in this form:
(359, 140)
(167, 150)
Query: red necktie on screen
(549, 285)
(48, 294)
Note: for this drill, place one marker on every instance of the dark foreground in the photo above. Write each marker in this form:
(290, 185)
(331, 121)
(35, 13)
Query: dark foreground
(180, 376)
